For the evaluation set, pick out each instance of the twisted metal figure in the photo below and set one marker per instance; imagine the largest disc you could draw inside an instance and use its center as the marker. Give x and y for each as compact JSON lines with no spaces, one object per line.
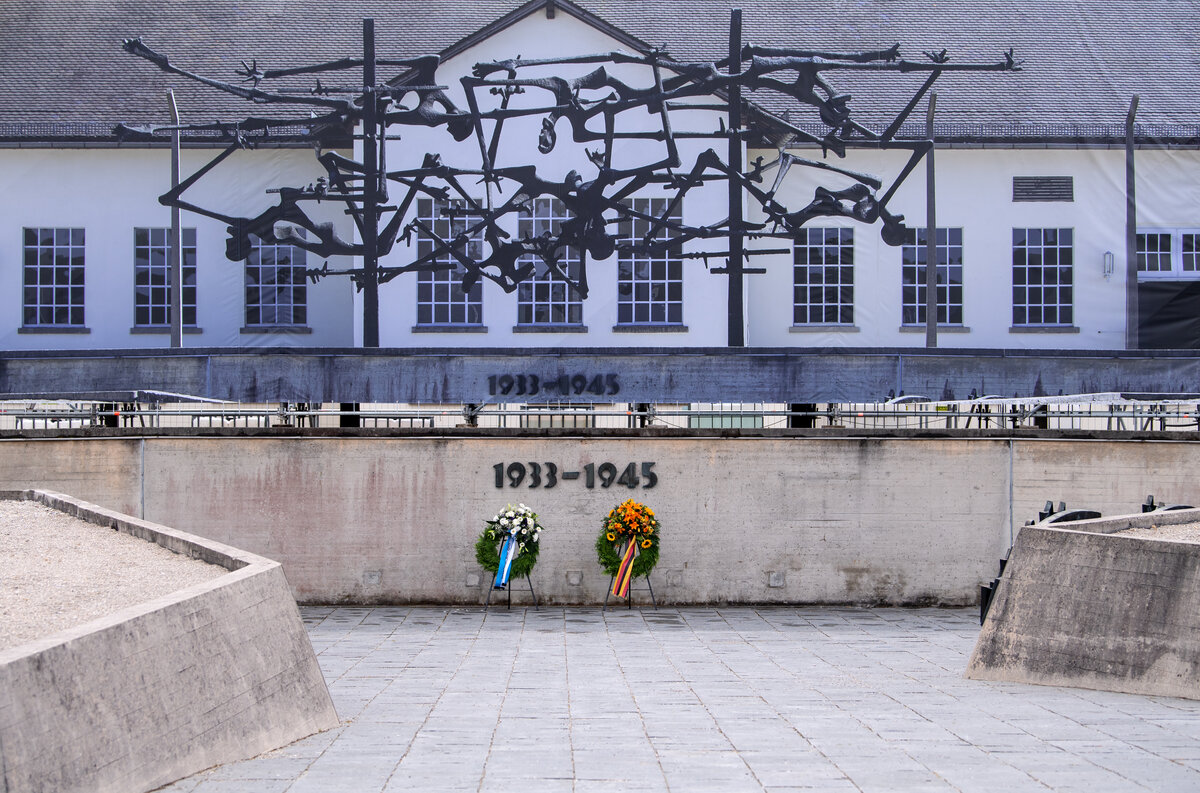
{"x":590,"y":105}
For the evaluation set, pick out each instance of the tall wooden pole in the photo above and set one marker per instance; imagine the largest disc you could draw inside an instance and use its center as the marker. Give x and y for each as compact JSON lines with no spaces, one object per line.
{"x":931,"y":261}
{"x":176,"y":234}
{"x":370,"y":285}
{"x":737,"y":332}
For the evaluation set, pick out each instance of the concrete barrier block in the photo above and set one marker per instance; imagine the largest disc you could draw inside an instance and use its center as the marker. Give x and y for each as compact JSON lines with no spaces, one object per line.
{"x":1095,"y":611}
{"x":217,"y":672}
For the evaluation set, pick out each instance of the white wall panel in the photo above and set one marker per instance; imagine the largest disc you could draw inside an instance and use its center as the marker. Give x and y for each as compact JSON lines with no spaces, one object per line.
{"x":109,"y":192}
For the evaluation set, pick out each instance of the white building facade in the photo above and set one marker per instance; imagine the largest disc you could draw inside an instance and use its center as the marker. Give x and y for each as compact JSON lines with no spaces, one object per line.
{"x":1031,"y":240}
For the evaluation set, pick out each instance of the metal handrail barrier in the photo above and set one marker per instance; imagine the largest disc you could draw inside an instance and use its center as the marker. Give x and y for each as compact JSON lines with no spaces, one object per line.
{"x":1057,"y":413}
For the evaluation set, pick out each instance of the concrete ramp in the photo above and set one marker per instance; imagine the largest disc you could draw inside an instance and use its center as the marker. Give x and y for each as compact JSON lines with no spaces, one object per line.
{"x":216,"y":672}
{"x":1080,"y":607}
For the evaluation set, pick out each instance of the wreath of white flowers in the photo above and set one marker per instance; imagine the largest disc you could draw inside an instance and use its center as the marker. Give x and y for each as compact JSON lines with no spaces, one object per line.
{"x":520,"y":522}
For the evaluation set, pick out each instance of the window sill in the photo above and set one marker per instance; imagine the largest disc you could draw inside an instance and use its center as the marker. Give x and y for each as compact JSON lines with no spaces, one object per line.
{"x":449,"y":329}
{"x":80,"y":329}
{"x":550,"y":329}
{"x":824,"y":328}
{"x":649,"y":328}
{"x":277,"y":329}
{"x":163,"y":330}
{"x":1167,"y":275}
{"x":940,"y":329}
{"x":1043,"y":329}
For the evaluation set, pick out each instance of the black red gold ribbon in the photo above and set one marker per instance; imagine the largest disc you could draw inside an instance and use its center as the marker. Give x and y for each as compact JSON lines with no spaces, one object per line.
{"x":624,"y":575}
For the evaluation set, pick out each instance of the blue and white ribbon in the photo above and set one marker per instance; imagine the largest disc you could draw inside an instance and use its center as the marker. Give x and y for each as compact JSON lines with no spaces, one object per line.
{"x":508,"y":552}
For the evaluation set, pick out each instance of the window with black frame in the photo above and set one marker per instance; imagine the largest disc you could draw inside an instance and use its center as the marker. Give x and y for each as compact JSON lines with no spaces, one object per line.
{"x":152,"y":277}
{"x":547,"y":300}
{"x":53,"y":278}
{"x":276,"y":287}
{"x":1043,"y":292}
{"x":1168,"y":253}
{"x":441,"y":301}
{"x":649,"y":282}
{"x":913,"y":293}
{"x":823,"y":277}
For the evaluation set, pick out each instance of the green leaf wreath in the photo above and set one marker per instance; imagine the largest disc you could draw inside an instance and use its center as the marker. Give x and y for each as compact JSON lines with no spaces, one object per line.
{"x":520,"y":521}
{"x":628,"y":521}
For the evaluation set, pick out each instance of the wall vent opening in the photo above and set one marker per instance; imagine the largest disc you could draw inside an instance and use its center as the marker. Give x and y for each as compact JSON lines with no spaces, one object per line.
{"x":1043,"y":188}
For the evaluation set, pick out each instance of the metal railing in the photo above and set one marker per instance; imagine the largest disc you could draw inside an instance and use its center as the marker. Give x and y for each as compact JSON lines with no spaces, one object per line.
{"x":1081,"y":412}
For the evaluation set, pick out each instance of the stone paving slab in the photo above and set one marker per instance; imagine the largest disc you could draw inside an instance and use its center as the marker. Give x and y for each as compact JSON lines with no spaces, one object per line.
{"x":698,"y":699}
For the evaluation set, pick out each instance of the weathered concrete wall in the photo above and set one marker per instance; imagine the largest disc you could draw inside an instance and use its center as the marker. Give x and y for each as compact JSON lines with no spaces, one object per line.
{"x":108,"y":473}
{"x":769,"y":518}
{"x":1095,"y":611}
{"x":397,"y":519}
{"x":1104,"y":475}
{"x":217,"y":672}
{"x":426,"y":375}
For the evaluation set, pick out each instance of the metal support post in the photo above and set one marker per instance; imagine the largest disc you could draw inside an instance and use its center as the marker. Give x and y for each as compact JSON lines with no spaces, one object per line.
{"x":737,"y":331}
{"x":370,"y":281}
{"x":931,"y":261}
{"x":1131,"y":272}
{"x":176,"y":234}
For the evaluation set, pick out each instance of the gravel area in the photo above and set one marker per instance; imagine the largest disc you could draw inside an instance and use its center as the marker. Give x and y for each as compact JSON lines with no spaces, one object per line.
{"x":57,"y":571}
{"x":1183,"y":532}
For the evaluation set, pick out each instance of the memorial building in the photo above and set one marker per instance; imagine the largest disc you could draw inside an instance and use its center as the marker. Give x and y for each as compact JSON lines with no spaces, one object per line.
{"x":1031,"y":182}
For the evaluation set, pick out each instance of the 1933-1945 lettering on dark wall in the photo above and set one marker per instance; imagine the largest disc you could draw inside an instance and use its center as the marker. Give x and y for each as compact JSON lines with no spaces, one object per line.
{"x":528,"y":384}
{"x":546,"y":475}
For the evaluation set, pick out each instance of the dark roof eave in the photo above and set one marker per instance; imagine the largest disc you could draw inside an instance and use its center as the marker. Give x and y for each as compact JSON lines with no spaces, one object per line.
{"x":758,"y":141}
{"x":1041,"y":141}
{"x":51,"y":134}
{"x":83,"y":141}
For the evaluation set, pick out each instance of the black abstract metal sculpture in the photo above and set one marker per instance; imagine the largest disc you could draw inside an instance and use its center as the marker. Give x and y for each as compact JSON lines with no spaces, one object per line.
{"x":589,"y":106}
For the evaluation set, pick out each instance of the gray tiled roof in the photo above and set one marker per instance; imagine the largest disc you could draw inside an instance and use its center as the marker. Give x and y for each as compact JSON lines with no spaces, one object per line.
{"x":64,"y":73}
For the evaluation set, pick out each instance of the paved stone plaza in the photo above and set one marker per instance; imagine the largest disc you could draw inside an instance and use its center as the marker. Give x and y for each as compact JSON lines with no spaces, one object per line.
{"x":693,"y":699}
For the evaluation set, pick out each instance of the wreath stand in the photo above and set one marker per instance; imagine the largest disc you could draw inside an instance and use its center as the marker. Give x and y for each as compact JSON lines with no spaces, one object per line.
{"x":508,"y":591}
{"x":608,"y":592}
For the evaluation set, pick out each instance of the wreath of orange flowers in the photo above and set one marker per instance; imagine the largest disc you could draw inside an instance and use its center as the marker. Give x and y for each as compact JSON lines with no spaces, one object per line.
{"x":629,"y":522}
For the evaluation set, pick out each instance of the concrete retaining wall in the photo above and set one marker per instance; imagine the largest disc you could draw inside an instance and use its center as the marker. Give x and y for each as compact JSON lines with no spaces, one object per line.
{"x":217,"y":672}
{"x":1085,"y":609}
{"x":825,"y":372}
{"x":767,"y":518}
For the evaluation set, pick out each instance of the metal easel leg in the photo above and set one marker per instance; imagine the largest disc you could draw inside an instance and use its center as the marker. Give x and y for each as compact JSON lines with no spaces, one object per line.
{"x":529,"y":580}
{"x":607,"y":592}
{"x":652,"y":598}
